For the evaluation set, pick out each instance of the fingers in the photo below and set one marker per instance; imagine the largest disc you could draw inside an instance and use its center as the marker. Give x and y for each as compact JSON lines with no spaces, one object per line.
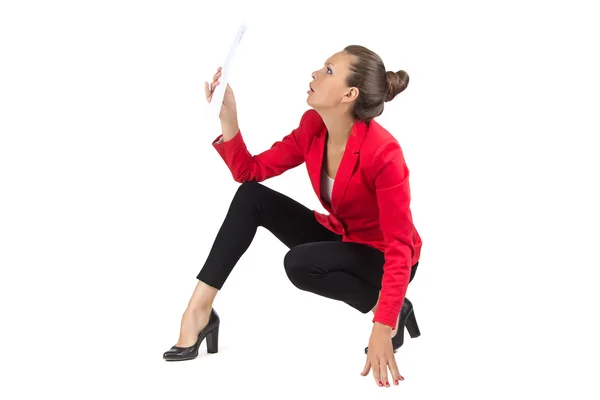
{"x":376,"y":371}
{"x":207,"y":91}
{"x":217,"y":75}
{"x":365,"y":370}
{"x":215,"y":81}
{"x":380,"y":373}
{"x":395,"y":372}
{"x":383,"y":375}
{"x":209,"y":88}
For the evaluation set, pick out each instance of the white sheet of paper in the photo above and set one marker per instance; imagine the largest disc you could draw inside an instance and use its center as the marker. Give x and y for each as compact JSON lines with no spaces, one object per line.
{"x":214,"y":107}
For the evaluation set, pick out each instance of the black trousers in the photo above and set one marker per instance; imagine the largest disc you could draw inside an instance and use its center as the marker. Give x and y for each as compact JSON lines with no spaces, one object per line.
{"x":318,"y":261}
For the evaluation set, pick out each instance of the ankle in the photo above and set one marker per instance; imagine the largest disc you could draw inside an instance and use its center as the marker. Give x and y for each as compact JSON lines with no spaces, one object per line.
{"x":199,"y":309}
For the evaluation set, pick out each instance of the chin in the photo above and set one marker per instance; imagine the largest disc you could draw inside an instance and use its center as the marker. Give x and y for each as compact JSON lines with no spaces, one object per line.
{"x":310,"y":100}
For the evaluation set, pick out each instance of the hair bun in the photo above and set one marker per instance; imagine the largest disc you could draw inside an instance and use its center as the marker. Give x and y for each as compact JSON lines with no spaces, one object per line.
{"x":397,"y":82}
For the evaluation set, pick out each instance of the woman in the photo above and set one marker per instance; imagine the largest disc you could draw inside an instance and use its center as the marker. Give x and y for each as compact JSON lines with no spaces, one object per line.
{"x":366,"y":251}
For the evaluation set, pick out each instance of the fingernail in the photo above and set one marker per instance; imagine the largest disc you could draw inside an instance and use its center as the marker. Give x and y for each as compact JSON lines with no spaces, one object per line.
{"x":387,"y":384}
{"x":380,"y":383}
{"x":396,"y":381}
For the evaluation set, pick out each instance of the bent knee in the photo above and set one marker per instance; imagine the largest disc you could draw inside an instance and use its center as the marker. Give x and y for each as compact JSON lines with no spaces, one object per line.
{"x":298,"y":267}
{"x":293,"y":264}
{"x":291,"y":260}
{"x":249,"y":193}
{"x":248,"y":188}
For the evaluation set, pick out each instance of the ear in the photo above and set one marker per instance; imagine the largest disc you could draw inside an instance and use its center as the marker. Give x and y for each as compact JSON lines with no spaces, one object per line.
{"x":351,"y":95}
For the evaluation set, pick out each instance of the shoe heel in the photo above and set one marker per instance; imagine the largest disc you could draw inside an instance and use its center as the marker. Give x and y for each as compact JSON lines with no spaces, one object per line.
{"x":212,"y":341}
{"x":411,"y":325}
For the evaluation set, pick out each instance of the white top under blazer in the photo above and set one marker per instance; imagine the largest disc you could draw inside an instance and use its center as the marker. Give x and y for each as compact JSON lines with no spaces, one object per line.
{"x":326,"y":186}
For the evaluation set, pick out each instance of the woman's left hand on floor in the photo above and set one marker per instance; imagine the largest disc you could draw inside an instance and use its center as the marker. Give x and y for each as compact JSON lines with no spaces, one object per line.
{"x":380,"y":356}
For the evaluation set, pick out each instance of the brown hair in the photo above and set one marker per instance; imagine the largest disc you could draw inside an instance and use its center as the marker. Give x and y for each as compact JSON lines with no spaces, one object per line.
{"x":375,"y":85}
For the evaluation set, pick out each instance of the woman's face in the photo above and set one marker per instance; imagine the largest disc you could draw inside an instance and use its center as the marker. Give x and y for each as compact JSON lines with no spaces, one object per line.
{"x":328,"y":88}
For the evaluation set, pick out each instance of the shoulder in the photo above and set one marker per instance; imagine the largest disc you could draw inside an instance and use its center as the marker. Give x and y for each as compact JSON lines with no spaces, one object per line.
{"x":382,"y":154}
{"x":379,"y":142}
{"x":311,"y":121}
{"x":311,"y":124}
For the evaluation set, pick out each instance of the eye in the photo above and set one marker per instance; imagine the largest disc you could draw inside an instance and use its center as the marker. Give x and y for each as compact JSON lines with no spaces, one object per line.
{"x":329,"y":71}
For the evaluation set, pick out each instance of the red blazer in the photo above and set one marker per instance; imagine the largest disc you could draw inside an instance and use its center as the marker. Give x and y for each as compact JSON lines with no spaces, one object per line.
{"x":370,"y":201}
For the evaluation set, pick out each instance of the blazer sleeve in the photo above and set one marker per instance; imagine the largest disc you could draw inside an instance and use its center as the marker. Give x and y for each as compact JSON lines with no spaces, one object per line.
{"x":284,"y":154}
{"x":395,"y":221}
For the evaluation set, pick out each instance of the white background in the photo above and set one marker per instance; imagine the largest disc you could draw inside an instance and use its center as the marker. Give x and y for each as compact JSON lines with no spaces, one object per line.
{"x":111,"y":195}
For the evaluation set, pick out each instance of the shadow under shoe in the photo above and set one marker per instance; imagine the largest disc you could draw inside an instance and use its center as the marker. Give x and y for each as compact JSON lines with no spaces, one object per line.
{"x":408,"y":320}
{"x":210,"y":332}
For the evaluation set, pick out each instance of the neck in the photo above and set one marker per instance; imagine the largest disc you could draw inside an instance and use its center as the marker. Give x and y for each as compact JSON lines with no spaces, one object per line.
{"x":338,"y":128}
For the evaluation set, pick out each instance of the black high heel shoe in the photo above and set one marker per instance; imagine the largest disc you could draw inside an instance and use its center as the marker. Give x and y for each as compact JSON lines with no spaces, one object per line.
{"x":210,"y":332}
{"x":407,"y":318}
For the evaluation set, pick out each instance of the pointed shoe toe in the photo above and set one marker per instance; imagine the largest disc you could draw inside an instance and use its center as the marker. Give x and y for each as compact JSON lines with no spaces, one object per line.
{"x":181,"y":353}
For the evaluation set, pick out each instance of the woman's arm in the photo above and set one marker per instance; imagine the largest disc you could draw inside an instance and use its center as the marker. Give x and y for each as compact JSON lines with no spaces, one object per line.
{"x":395,"y":220}
{"x":283,"y":155}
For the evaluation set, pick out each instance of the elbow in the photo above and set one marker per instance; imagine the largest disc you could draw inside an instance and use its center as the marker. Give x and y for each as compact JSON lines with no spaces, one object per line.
{"x":247,"y":174}
{"x":241,"y":177}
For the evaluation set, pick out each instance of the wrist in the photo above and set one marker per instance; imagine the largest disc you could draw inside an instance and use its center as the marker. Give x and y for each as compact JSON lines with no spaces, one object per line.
{"x":229,"y":128}
{"x":378,"y":326}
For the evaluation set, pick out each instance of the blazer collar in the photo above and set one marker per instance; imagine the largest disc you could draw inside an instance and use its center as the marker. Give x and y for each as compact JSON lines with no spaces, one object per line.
{"x":347,"y":165}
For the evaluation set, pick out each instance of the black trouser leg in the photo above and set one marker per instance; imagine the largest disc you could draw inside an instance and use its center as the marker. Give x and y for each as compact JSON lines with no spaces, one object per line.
{"x":256,"y":205}
{"x":348,"y":272}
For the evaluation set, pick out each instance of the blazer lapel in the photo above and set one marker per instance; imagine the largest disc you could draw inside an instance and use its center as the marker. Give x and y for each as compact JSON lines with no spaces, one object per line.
{"x":347,"y":164}
{"x":315,"y":164}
